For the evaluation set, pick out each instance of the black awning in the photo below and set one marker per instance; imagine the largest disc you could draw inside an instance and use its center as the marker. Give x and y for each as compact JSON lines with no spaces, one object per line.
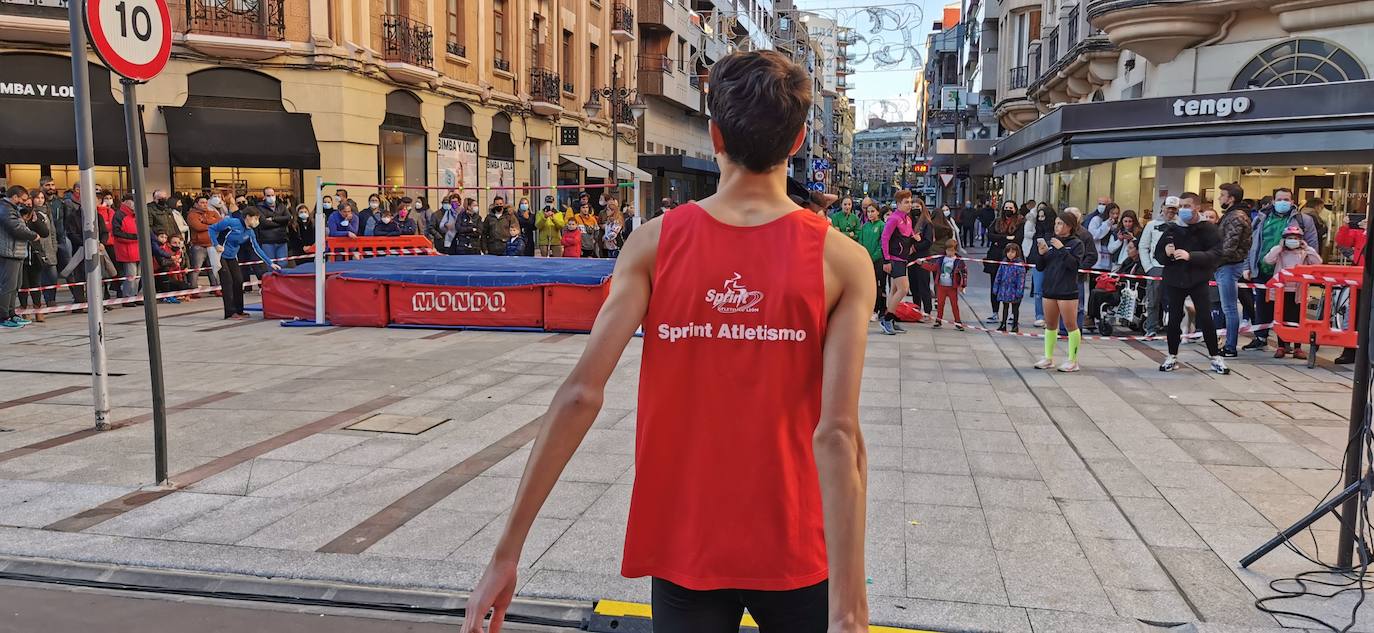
{"x":458,"y":131}
{"x":222,"y":137}
{"x":677,"y":162}
{"x":40,"y":132}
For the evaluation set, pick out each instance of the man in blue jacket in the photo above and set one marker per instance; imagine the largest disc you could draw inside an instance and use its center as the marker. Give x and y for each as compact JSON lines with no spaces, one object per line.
{"x":229,"y":236}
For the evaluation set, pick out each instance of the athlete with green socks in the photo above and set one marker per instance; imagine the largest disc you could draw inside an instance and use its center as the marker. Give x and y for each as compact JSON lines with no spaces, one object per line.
{"x":1059,"y":261}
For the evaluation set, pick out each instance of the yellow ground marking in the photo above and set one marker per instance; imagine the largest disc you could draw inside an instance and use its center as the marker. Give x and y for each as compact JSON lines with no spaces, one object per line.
{"x":618,"y":609}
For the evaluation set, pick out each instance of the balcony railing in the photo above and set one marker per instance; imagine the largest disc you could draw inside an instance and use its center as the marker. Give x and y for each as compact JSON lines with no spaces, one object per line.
{"x":623,"y":114}
{"x":544,"y":85}
{"x":569,"y":87}
{"x":501,"y":64}
{"x":1072,"y":32}
{"x":622,"y":18}
{"x":407,"y":41}
{"x":457,"y":48}
{"x":54,"y":9}
{"x":1019,"y":77}
{"x":656,"y":63}
{"x":258,"y":19}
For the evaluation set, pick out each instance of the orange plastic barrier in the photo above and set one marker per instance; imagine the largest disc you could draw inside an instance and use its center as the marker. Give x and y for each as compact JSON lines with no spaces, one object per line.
{"x":1338,"y":289}
{"x":340,"y":248}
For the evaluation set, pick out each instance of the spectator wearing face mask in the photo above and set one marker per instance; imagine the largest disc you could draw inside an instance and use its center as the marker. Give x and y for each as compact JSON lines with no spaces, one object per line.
{"x":42,"y":254}
{"x":406,"y":214}
{"x":1190,"y":252}
{"x":525,"y":216}
{"x":1270,"y":225}
{"x":469,"y":230}
{"x":15,"y":240}
{"x":387,"y":226}
{"x":201,"y":217}
{"x":1291,"y":252}
{"x":160,"y":213}
{"x":75,"y":268}
{"x":367,"y":218}
{"x":343,"y":222}
{"x":300,"y":233}
{"x":549,"y":226}
{"x":276,"y":221}
{"x":420,"y":214}
{"x":126,"y":246}
{"x":496,"y":227}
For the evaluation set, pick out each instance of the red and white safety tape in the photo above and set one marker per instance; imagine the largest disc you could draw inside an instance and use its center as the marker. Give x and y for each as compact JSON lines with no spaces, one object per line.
{"x":72,"y":307}
{"x":334,"y":254}
{"x":1086,"y":271}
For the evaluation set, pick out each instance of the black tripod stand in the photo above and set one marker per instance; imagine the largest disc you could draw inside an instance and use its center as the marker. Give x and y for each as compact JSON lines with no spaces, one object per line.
{"x":1359,"y":482}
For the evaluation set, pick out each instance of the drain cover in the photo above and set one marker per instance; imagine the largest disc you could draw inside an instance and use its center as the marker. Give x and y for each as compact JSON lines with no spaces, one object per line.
{"x":402,"y":424}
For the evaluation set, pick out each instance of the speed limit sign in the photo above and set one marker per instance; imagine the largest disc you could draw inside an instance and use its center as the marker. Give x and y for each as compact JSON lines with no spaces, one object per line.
{"x":132,"y":37}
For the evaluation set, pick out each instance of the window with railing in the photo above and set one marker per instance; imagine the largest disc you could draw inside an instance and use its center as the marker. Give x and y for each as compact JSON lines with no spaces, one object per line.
{"x":498,"y":39}
{"x":1052,"y":48}
{"x":258,"y":19}
{"x":656,"y":64}
{"x":1033,"y":54}
{"x":1019,"y":77}
{"x":623,"y":114}
{"x":622,"y":18}
{"x":408,"y":41}
{"x":545,"y":85}
{"x":454,"y":21}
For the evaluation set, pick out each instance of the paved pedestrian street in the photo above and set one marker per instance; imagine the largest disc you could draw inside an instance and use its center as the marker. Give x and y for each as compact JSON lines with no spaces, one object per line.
{"x":1001,"y":498}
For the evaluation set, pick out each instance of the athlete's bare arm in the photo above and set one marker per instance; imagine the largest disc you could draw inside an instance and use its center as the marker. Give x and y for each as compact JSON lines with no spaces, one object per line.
{"x":573,"y":410}
{"x":841,"y":459}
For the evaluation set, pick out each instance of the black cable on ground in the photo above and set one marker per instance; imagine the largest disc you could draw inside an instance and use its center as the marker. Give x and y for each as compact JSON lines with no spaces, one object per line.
{"x":1307,"y":585}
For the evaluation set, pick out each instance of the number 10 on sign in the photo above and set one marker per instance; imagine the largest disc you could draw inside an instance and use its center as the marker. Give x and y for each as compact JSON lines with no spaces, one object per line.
{"x":132,"y":37}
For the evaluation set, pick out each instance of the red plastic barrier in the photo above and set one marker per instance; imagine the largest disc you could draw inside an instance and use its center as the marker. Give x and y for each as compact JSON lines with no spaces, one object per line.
{"x":341,"y":248}
{"x":288,"y":297}
{"x":517,"y":306}
{"x":573,"y":308}
{"x":356,"y":302}
{"x":1323,"y":281}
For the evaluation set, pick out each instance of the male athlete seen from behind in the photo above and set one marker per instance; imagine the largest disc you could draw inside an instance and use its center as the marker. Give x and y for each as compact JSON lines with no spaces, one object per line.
{"x":750,"y":486}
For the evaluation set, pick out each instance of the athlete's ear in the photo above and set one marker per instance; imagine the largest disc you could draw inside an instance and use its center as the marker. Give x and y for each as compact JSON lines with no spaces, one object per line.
{"x":797,"y":143}
{"x":717,"y":141}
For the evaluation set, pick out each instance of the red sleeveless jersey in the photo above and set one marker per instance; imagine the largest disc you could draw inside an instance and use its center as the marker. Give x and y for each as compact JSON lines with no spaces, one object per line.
{"x":726,"y":493}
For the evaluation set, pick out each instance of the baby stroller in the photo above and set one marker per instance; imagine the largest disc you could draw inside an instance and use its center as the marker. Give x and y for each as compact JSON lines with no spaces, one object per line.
{"x":1117,"y":303}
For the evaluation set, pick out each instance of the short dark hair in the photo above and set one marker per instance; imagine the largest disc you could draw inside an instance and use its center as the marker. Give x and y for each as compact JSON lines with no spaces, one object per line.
{"x":1070,"y":220}
{"x":1191,"y":196}
{"x":250,"y":212}
{"x":201,"y":196}
{"x":46,"y":180}
{"x":1276,"y":191}
{"x":759,"y":101}
{"x":1234,"y":190}
{"x":15,"y":190}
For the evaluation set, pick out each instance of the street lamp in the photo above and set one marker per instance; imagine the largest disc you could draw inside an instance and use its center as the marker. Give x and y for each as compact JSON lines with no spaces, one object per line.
{"x":618,"y":98}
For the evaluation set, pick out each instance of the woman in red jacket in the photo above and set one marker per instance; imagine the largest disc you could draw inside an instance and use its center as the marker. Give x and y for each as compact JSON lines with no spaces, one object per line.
{"x":124,"y":227}
{"x":1354,"y":238}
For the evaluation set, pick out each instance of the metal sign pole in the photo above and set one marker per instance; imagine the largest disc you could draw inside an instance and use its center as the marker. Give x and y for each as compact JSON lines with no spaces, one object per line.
{"x":321,"y":238}
{"x":90,"y":235}
{"x":145,"y":257}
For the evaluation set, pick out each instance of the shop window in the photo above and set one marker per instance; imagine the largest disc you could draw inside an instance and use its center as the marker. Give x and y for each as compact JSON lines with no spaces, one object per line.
{"x":401,"y":142}
{"x":1299,"y":61}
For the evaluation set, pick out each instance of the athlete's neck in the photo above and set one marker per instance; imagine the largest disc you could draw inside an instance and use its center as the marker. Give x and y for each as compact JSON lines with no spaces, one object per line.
{"x":747,"y":198}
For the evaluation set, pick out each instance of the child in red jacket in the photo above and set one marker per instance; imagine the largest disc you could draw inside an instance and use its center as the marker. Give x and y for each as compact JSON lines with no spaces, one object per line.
{"x":951,"y":276}
{"x":572,"y":239}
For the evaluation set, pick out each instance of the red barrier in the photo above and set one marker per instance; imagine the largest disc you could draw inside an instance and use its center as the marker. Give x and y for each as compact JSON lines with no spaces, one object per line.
{"x":340,"y":248}
{"x":516,"y":306}
{"x":356,"y":302}
{"x":288,"y":297}
{"x":573,"y":308}
{"x":1337,"y":287}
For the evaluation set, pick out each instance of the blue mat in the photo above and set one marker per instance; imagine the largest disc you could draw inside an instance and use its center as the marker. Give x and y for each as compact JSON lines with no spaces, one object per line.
{"x":470,"y":270}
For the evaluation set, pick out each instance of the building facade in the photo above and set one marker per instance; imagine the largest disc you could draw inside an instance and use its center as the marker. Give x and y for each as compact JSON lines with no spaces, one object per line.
{"x":836,"y":124}
{"x":886,"y":156}
{"x":957,"y":106}
{"x":404,"y":93}
{"x":678,"y":43}
{"x":1142,"y":100}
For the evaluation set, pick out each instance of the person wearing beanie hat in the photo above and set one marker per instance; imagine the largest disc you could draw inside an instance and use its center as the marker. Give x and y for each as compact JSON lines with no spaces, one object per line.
{"x":1291,"y":251}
